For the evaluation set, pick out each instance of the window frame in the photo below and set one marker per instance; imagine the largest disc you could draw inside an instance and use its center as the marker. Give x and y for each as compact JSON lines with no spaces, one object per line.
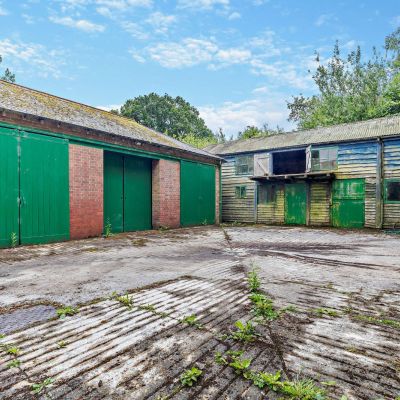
{"x":328,"y":148}
{"x":271,"y":194}
{"x":249,"y":164}
{"x":240,"y":192}
{"x":389,"y":180}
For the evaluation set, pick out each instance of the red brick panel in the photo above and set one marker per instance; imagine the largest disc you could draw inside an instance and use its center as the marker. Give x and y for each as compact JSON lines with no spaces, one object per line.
{"x":85,"y":191}
{"x":166,"y":194}
{"x":217,"y":195}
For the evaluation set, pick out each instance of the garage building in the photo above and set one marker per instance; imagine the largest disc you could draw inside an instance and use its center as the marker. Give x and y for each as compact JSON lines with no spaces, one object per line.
{"x":67,"y":170}
{"x":344,"y":176}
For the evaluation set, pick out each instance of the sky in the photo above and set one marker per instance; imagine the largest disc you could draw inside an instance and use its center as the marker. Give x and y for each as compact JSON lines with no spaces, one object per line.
{"x":237,"y":61}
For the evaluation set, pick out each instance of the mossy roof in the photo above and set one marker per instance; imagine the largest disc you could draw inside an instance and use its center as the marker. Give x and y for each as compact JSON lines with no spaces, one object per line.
{"x":363,"y":130}
{"x":29,"y":101}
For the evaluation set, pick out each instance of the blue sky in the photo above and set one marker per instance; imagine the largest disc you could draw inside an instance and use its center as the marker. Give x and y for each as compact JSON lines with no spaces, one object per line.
{"x":237,"y":61}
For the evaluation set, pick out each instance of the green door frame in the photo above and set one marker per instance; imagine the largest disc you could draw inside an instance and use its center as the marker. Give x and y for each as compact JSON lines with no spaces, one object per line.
{"x":296,"y":195}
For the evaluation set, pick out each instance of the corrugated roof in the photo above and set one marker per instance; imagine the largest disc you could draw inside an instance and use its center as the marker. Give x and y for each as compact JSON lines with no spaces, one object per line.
{"x":363,"y":130}
{"x":29,"y":101}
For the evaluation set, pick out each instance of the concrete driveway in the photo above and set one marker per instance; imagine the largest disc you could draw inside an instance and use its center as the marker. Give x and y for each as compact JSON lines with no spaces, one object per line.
{"x":332,"y":326}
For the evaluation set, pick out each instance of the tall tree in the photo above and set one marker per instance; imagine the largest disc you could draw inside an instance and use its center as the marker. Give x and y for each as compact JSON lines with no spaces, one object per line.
{"x":351,"y":89}
{"x":254,"y":131}
{"x":8,"y":75}
{"x":172,"y":116}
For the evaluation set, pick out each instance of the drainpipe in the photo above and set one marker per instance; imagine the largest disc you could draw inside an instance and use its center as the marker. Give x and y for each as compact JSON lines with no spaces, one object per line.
{"x":379,"y":185}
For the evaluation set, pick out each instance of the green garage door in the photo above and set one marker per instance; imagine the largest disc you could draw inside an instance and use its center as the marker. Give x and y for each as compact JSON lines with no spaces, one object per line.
{"x":34,"y":188}
{"x":127,"y":192}
{"x":348,"y":203}
{"x":9,"y":187}
{"x":197,"y":193}
{"x":295,"y":203}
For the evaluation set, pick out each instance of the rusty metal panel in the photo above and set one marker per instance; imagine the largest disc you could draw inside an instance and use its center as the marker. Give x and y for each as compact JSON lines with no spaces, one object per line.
{"x":320,"y":203}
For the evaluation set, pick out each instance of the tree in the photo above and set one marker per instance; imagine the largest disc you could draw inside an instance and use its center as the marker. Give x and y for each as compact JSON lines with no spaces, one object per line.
{"x":172,"y":116}
{"x":8,"y":75}
{"x":254,"y":131}
{"x":351,"y":89}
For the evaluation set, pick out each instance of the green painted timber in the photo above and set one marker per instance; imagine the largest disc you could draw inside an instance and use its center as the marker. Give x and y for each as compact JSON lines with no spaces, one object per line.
{"x":295,"y":203}
{"x":348,"y":203}
{"x":9,"y":187}
{"x":197,"y":193}
{"x":137,"y":194}
{"x":127,"y":192}
{"x":114,"y":191}
{"x":44,"y":189}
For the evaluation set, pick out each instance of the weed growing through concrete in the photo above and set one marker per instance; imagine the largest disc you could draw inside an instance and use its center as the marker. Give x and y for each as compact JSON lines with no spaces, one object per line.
{"x":192,"y":321}
{"x":12,"y":350}
{"x":38,"y":388}
{"x":125,"y":300}
{"x":263,"y":307}
{"x":320,"y":312}
{"x":14,"y":239}
{"x":190,"y":376}
{"x":377,"y":321}
{"x":148,"y":307}
{"x":62,"y":344}
{"x":2,"y":335}
{"x":108,"y":229}
{"x":245,"y":332}
{"x":66,"y":311}
{"x":253,"y":281}
{"x":14,"y":363}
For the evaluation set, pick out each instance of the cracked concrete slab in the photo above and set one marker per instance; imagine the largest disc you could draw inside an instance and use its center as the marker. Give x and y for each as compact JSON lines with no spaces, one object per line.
{"x":343,"y":326}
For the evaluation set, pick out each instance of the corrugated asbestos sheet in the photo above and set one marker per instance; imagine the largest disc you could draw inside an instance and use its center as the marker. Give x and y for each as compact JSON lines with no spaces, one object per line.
{"x":234,"y":209}
{"x":28,"y":101}
{"x":364,"y":130}
{"x":392,"y":171}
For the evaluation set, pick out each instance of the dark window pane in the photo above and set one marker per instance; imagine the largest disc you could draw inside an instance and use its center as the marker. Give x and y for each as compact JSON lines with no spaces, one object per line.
{"x":266,"y":194}
{"x":244,"y":165}
{"x":393,"y":190}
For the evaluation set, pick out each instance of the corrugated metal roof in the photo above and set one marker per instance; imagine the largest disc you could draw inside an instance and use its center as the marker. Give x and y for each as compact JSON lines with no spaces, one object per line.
{"x":363,"y":130}
{"x":29,"y":101}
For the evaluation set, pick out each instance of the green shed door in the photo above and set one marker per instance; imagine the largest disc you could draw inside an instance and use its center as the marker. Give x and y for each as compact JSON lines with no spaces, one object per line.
{"x":295,"y":203}
{"x":137,"y":194}
{"x":9,"y":187}
{"x":197,"y":193}
{"x":348,"y":203}
{"x":114,"y":191}
{"x":44,"y":189}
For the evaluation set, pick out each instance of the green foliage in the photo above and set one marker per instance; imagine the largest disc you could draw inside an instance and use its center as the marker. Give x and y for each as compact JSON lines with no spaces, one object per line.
{"x":351,"y":89}
{"x":263,"y":307}
{"x":125,"y":300}
{"x":265,"y":379}
{"x":240,"y":365}
{"x":8,"y":75}
{"x":14,"y":364}
{"x":61,"y":344}
{"x":192,"y":321}
{"x":252,"y":131}
{"x":253,"y":281}
{"x":320,"y":312}
{"x":198,"y":141}
{"x":190,"y":376}
{"x":37,"y":388}
{"x":2,"y":335}
{"x":378,"y":321}
{"x":13,"y":350}
{"x":108,"y":229}
{"x":304,"y":389}
{"x":244,"y":333}
{"x":172,"y":116}
{"x":66,"y":311}
{"x":14,"y":239}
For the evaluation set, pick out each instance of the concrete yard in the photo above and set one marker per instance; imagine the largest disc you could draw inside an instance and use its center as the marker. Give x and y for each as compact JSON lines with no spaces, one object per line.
{"x":342,"y":331}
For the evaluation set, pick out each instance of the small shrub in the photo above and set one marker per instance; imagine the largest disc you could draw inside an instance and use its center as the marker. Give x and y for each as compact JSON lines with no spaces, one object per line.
{"x":14,"y":239}
{"x":244,"y":333}
{"x":263,"y":307}
{"x":108,"y":229}
{"x":253,"y":281}
{"x":265,"y":379}
{"x":39,"y":387}
{"x":240,"y":365}
{"x":66,"y":311}
{"x":190,"y":376}
{"x":304,"y":389}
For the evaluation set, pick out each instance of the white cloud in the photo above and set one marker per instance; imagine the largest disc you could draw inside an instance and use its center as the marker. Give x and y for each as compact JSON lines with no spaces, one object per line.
{"x":202,"y":4}
{"x":134,"y":29}
{"x":29,"y":19}
{"x":234,"y":15}
{"x":110,"y":107}
{"x":31,"y":57}
{"x":161,"y":22}
{"x":234,"y":117}
{"x":3,"y":11}
{"x":233,"y":56}
{"x":81,"y":24}
{"x":261,"y":89}
{"x":136,"y":56}
{"x":124,"y":4}
{"x":324,"y":19}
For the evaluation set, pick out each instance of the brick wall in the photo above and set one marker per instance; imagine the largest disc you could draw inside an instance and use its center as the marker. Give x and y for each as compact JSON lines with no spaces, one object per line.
{"x":217,"y":195}
{"x":166,"y":194}
{"x":86,"y":191}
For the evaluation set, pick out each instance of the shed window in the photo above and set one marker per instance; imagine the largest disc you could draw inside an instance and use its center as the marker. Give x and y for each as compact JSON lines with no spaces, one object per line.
{"x":266,"y":194}
{"x":324,"y":159}
{"x":240,"y":192}
{"x":393,"y":190}
{"x":244,"y":165}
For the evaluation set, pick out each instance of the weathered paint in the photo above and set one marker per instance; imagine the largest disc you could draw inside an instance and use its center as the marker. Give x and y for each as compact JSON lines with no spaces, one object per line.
{"x":197,"y":194}
{"x":391,"y":164}
{"x":9,"y":187}
{"x":348,"y":203}
{"x":273,"y":212}
{"x":296,"y":203}
{"x":320,"y":198}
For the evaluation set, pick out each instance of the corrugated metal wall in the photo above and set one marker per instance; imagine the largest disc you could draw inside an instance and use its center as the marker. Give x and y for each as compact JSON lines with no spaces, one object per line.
{"x":233,"y":209}
{"x":391,"y":214}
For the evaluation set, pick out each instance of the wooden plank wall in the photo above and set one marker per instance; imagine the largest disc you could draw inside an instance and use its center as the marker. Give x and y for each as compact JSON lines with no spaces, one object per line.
{"x":273,"y":213}
{"x":391,"y":213}
{"x":320,"y":199}
{"x":358,"y":160}
{"x":233,"y":209}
